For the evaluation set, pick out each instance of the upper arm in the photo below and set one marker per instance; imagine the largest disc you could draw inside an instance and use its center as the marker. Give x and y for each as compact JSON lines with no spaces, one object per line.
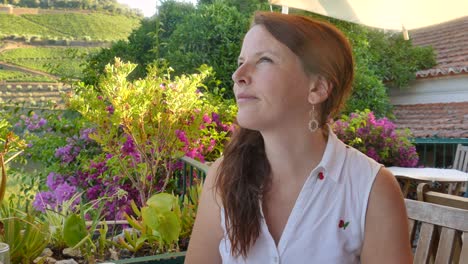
{"x":207,"y":232}
{"x":386,"y":236}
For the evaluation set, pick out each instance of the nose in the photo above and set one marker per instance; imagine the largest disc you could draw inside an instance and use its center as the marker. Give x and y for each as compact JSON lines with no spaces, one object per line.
{"x":242,"y":76}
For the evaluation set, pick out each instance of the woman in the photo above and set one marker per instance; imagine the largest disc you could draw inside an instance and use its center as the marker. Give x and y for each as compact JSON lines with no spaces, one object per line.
{"x":287,"y":190}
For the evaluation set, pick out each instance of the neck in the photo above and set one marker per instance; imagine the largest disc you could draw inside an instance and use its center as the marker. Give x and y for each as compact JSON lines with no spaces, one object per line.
{"x":293,"y":153}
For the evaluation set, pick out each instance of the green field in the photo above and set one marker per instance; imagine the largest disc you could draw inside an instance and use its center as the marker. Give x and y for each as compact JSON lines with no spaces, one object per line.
{"x":61,"y":61}
{"x":94,"y":26}
{"x":15,"y":76}
{"x":44,"y":53}
{"x":18,"y":25}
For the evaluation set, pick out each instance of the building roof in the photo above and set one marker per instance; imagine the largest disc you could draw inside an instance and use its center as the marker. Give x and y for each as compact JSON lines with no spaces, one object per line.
{"x":450,"y":43}
{"x":442,"y":120}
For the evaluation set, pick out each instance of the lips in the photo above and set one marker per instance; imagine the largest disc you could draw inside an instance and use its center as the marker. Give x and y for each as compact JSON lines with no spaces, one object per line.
{"x":243,"y":97}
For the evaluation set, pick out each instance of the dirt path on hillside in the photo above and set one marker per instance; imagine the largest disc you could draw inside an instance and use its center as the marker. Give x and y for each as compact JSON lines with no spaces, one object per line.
{"x":12,"y":44}
{"x":8,"y":45}
{"x":12,"y":67}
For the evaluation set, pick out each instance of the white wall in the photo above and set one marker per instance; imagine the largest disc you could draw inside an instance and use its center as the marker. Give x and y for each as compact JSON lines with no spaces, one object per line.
{"x":443,"y":89}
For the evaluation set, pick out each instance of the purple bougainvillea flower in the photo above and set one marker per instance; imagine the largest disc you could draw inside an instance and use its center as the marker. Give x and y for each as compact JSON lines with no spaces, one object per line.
{"x":64,"y":192}
{"x":53,"y":180}
{"x":44,"y":200}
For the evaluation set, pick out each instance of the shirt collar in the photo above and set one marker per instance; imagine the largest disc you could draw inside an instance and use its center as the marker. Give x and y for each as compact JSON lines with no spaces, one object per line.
{"x":333,"y":158}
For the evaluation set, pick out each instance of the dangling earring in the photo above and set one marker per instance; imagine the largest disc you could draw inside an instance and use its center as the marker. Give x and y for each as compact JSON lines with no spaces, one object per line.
{"x":313,"y":123}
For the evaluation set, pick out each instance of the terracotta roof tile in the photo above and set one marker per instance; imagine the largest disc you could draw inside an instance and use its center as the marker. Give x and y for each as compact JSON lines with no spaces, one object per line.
{"x":444,"y":120}
{"x":450,"y":43}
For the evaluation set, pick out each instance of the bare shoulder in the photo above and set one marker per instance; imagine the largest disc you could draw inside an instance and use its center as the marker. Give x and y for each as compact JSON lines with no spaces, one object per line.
{"x":386,"y":188}
{"x":207,"y":232}
{"x":386,"y":238}
{"x":213,"y":172}
{"x":210,"y":181}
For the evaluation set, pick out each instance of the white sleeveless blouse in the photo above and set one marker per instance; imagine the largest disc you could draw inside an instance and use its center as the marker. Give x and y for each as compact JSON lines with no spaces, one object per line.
{"x":327,"y":222}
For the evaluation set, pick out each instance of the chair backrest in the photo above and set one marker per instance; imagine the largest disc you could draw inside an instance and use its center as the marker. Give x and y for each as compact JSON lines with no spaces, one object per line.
{"x":452,"y":224}
{"x":425,"y":194}
{"x":460,"y":161}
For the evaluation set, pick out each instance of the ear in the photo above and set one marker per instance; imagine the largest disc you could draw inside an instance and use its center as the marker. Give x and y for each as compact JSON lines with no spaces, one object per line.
{"x":319,"y":90}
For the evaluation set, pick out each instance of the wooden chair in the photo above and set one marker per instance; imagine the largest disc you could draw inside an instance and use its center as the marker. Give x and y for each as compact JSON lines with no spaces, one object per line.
{"x":453,"y":224}
{"x":426,"y":194}
{"x":460,"y":162}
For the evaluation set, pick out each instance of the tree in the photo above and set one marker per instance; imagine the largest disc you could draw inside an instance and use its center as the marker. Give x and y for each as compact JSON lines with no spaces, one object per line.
{"x":186,"y":37}
{"x":145,"y":44}
{"x":211,"y":35}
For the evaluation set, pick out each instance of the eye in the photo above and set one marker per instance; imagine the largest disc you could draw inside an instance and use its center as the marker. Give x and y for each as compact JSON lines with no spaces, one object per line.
{"x":265,"y":59}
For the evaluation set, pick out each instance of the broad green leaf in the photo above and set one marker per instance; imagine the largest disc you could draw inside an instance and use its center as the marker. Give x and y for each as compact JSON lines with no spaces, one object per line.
{"x":74,"y":230}
{"x":162,"y":202}
{"x":150,"y":217}
{"x":169,"y":227}
{"x":166,"y":224}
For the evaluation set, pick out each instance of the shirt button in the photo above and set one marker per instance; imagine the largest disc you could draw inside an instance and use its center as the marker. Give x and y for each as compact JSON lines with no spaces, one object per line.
{"x":275,"y":260}
{"x":321,"y":176}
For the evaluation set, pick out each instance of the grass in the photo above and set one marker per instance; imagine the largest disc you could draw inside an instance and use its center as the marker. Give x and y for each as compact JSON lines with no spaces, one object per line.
{"x":95,"y":26}
{"x":16,"y":76}
{"x":61,"y":61}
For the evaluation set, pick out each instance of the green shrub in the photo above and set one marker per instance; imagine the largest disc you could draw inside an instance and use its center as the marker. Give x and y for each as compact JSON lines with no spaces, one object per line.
{"x":377,"y":138}
{"x":368,"y":93}
{"x":211,"y":35}
{"x":160,"y":118}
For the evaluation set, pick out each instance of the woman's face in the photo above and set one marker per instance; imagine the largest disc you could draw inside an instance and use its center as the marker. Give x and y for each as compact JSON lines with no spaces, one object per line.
{"x":270,"y":84}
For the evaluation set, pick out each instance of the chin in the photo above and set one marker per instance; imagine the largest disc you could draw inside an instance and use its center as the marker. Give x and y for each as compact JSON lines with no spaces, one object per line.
{"x":252,"y":121}
{"x":248,"y":121}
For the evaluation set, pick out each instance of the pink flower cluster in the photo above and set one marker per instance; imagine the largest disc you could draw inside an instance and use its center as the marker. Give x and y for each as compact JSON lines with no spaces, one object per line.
{"x":377,"y":138}
{"x":196,"y":149}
